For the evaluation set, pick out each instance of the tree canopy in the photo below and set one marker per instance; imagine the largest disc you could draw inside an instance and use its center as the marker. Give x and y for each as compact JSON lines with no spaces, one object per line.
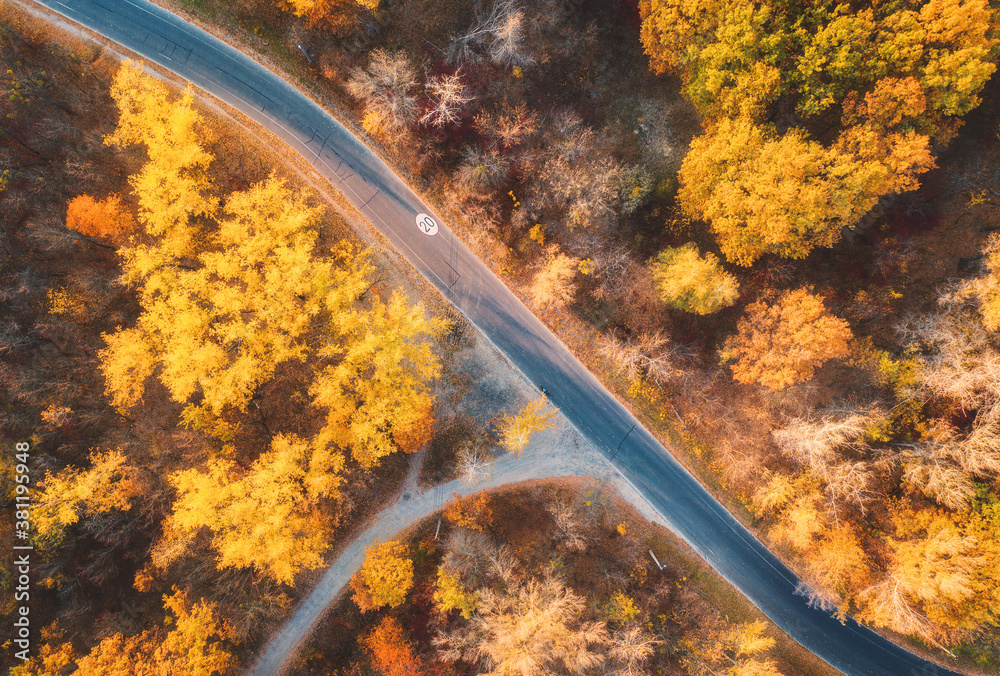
{"x":267,"y":517}
{"x":385,"y":577}
{"x":223,"y":310}
{"x":863,"y":94}
{"x":782,"y":344}
{"x":688,"y":281}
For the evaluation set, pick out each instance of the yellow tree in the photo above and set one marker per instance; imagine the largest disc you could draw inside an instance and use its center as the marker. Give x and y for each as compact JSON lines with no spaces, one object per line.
{"x":516,"y":432}
{"x":837,"y":563}
{"x":269,"y":517}
{"x":337,"y":16}
{"x":739,"y":649}
{"x":173,"y":186}
{"x":762,"y":194}
{"x":193,"y":647}
{"x":109,"y":484}
{"x":935,"y":564}
{"x":693,"y":283}
{"x":263,"y":287}
{"x":217,"y":330}
{"x":53,"y":657}
{"x":986,"y":289}
{"x":803,"y":521}
{"x":385,"y":577}
{"x":553,"y":285}
{"x":450,"y":594}
{"x":984,"y":605}
{"x":374,"y":391}
{"x":782,"y":344}
{"x":961,"y":39}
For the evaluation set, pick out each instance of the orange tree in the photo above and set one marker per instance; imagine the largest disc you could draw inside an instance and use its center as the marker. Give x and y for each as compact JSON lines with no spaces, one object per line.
{"x":782,"y":344}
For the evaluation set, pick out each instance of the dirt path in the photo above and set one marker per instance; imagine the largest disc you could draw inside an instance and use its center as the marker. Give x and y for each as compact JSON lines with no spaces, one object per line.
{"x":559,"y":452}
{"x":556,"y":453}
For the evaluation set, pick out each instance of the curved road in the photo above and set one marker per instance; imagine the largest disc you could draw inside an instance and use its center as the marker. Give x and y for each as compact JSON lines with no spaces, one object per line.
{"x":391,"y":206}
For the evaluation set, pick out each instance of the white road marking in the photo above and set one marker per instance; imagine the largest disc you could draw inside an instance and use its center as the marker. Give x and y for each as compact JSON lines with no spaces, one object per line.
{"x":427,"y":224}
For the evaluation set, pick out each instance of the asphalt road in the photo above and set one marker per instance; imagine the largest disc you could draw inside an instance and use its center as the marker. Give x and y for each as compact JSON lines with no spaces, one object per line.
{"x":392,"y":207}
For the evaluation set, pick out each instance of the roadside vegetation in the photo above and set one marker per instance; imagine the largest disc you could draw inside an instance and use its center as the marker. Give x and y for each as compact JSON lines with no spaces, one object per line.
{"x":574,"y":591}
{"x":218,"y":382}
{"x":216,"y":379}
{"x":767,"y":228}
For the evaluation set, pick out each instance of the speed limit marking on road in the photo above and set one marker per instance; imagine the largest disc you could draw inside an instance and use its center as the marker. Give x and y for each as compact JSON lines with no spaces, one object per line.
{"x":427,"y":224}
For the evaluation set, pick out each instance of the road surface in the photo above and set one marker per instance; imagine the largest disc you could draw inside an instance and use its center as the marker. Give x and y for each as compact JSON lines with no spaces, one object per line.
{"x":687,"y":508}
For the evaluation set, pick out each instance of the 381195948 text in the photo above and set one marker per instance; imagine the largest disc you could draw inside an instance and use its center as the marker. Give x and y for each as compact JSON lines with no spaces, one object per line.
{"x":22,"y":553}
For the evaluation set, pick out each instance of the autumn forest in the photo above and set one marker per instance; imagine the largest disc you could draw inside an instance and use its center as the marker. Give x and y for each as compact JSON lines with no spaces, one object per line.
{"x":769,"y":228}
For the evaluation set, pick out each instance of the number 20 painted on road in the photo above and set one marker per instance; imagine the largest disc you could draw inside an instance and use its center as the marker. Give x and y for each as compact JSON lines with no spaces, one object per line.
{"x":427,"y":225}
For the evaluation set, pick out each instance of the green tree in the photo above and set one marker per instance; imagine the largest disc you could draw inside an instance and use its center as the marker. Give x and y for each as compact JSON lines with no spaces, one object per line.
{"x":693,"y":283}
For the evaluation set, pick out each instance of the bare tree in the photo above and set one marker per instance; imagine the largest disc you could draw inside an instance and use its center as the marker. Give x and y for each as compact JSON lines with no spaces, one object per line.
{"x":961,"y":360}
{"x":649,"y":354}
{"x":386,"y":86}
{"x":483,"y":169}
{"x":816,"y":443}
{"x":578,"y":178}
{"x":613,"y":269}
{"x":500,"y":34}
{"x":527,"y":629}
{"x":509,"y":125}
{"x":630,"y":649}
{"x":448,"y":95}
{"x":849,"y":482}
{"x":508,"y":46}
{"x":940,"y":480}
{"x":570,"y":524}
{"x":943,"y":465}
{"x":475,"y":559}
{"x":475,"y":464}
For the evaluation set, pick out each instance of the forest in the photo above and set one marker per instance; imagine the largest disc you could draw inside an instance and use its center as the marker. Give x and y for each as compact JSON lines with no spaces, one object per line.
{"x":769,"y":228}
